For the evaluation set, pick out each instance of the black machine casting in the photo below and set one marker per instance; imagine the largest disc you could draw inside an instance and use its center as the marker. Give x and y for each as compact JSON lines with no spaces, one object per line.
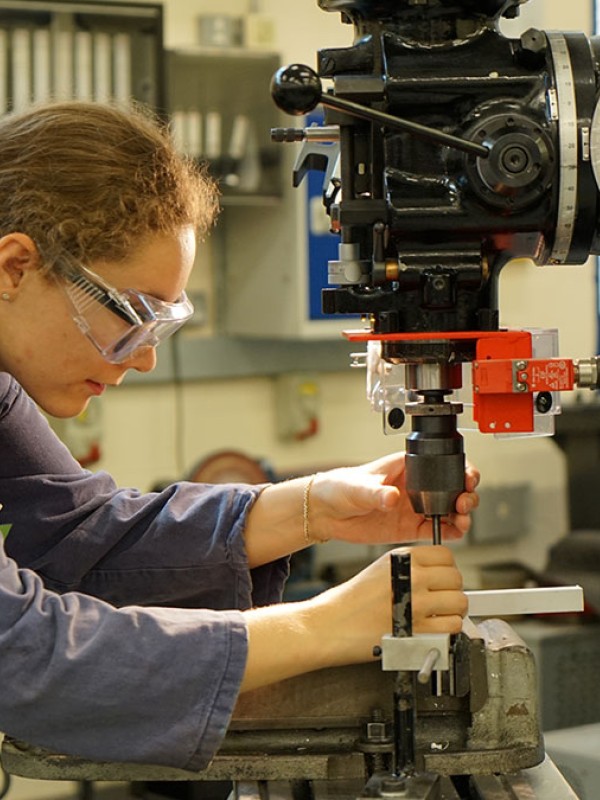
{"x":448,"y":149}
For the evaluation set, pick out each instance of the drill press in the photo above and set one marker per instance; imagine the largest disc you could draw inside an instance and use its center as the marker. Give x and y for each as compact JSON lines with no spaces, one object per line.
{"x":448,"y":150}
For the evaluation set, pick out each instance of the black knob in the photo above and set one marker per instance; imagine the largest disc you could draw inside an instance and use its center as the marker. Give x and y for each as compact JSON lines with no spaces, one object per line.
{"x":296,"y":89}
{"x":532,"y":48}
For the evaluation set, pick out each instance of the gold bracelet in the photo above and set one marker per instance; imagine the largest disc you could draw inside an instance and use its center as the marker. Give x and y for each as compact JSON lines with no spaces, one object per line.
{"x":305,"y":509}
{"x":305,"y":505}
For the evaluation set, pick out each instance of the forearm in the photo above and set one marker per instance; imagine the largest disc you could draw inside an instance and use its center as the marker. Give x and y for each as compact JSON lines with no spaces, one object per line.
{"x":283,"y":641}
{"x":275,"y":526}
{"x":339,"y":626}
{"x":291,"y":639}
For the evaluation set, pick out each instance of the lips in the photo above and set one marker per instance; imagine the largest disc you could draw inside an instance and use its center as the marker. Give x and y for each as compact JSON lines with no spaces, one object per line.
{"x":95,"y":387}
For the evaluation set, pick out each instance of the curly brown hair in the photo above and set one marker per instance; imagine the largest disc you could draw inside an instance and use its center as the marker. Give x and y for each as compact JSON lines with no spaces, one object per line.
{"x":90,"y":181}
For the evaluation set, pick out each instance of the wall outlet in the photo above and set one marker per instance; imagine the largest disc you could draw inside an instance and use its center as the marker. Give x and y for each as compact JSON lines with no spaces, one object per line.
{"x":503,"y":514}
{"x":296,"y":406}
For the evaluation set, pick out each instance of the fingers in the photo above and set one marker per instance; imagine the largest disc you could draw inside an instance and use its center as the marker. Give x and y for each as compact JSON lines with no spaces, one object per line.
{"x":437,"y":579}
{"x":430,"y":556}
{"x":438,"y":602}
{"x":392,"y":466}
{"x":438,"y":611}
{"x":472,"y":478}
{"x":469,"y":499}
{"x":445,"y":624}
{"x":466,"y":502}
{"x":355,"y":490}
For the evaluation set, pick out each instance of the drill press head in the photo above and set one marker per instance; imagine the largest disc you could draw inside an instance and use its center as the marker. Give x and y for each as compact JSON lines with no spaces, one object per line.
{"x":459,"y":150}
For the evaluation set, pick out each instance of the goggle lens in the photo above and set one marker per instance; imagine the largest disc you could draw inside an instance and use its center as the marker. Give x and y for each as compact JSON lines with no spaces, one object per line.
{"x":119,"y":323}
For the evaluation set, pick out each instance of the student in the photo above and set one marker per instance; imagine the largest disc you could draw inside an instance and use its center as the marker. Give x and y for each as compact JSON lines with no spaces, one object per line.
{"x":129,"y":622}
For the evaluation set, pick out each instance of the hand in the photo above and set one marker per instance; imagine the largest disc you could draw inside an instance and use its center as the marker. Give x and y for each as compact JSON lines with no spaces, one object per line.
{"x":345,"y":623}
{"x":361,"y":608}
{"x":369,"y":504}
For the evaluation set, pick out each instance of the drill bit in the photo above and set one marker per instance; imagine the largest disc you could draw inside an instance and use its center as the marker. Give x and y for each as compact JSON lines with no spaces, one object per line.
{"x":436,"y":522}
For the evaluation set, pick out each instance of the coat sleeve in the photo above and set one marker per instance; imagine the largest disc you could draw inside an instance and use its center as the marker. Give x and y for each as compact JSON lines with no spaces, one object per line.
{"x":182,"y":546}
{"x":146,"y":685}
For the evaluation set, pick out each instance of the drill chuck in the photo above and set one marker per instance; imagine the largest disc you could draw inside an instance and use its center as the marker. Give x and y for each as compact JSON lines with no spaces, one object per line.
{"x":435,"y":458}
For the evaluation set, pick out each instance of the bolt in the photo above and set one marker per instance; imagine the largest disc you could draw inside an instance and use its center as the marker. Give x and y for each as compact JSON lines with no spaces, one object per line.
{"x":396,"y":418}
{"x":377,"y":732}
{"x":543,"y":402}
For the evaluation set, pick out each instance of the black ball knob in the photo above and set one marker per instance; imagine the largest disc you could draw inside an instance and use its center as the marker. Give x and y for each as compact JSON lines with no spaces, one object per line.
{"x":296,"y":89}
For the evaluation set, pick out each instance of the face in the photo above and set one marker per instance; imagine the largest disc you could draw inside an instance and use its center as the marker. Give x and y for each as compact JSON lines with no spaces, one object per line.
{"x":41,"y":345}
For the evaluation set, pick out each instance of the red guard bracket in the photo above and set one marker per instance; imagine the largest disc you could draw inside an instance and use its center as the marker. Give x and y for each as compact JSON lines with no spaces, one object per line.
{"x":505,"y":376}
{"x":496,"y":408}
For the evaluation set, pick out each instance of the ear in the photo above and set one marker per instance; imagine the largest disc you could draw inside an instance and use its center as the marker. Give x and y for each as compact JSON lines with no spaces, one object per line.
{"x":18,"y":256}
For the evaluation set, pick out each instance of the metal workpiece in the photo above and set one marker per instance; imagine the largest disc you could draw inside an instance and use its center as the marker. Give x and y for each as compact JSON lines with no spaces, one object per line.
{"x":510,"y":602}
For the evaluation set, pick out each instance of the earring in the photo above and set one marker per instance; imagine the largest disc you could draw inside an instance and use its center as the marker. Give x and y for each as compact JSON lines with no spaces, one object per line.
{"x":5,"y":296}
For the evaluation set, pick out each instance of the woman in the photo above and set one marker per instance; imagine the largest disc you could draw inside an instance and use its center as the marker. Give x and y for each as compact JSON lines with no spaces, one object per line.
{"x":99,"y":217}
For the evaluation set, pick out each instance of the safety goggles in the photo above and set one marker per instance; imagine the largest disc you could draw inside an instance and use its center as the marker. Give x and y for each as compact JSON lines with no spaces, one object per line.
{"x":120,"y":321}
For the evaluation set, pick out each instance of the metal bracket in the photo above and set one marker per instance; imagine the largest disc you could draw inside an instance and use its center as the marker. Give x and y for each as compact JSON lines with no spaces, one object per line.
{"x":411,"y":653}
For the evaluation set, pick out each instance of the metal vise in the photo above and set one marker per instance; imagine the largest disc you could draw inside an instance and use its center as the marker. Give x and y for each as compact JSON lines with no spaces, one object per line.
{"x":329,"y":731}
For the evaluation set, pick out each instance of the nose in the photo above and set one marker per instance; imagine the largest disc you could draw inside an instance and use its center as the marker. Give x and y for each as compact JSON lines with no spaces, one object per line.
{"x":142,"y":360}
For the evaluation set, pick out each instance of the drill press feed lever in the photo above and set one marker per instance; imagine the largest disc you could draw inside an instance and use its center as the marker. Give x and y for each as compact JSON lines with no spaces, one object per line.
{"x":448,"y":150}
